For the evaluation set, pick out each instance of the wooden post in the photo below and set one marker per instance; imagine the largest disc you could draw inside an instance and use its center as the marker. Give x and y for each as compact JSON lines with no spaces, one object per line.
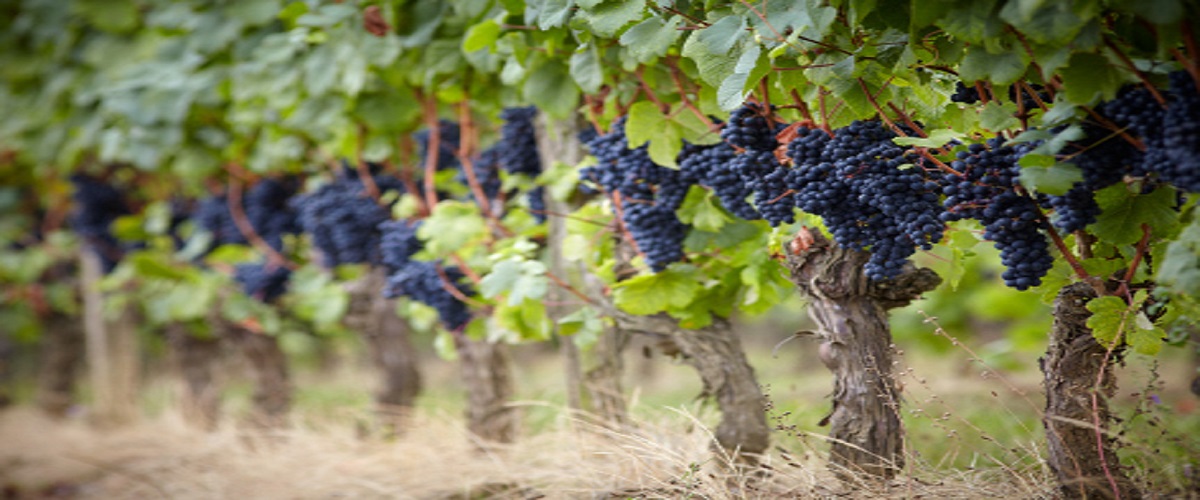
{"x":112,"y":351}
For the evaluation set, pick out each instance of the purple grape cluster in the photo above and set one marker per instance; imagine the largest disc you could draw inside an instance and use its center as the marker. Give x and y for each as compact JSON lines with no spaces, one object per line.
{"x":343,"y":219}
{"x":420,"y":281}
{"x":649,"y":195}
{"x":97,"y":205}
{"x":262,"y":281}
{"x":988,"y":191}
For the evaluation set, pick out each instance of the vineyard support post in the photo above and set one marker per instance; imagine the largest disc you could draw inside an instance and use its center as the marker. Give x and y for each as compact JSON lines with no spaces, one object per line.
{"x":1083,"y":458}
{"x":558,"y":142}
{"x":112,"y":350}
{"x":851,"y":315}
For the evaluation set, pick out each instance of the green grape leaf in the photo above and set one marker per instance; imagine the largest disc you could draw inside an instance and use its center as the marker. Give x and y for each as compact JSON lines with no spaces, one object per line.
{"x":996,"y":117}
{"x":1179,"y":270}
{"x":1110,"y":318}
{"x":750,"y":68}
{"x":584,"y":322}
{"x":586,"y":70}
{"x":481,"y":36}
{"x":673,"y":287}
{"x":1088,"y":77}
{"x":699,"y":210}
{"x":644,"y":122}
{"x":526,"y":319}
{"x":714,"y":67}
{"x":551,"y":86}
{"x":936,"y":139}
{"x":451,"y":226}
{"x":1122,"y":213}
{"x":608,"y":18}
{"x":520,"y":279}
{"x":651,"y":38}
{"x":722,"y":36}
{"x":1002,"y":68}
{"x":1055,"y":179}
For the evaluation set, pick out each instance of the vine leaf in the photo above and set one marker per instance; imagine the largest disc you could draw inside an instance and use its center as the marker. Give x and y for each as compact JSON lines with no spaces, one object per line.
{"x":651,"y":38}
{"x":1088,"y":76}
{"x":585,"y":69}
{"x":520,"y":279}
{"x":1179,"y":271}
{"x":1112,"y":319}
{"x":450,"y":227}
{"x":481,"y":36}
{"x":527,"y":320}
{"x":699,"y":210}
{"x":674,"y":287}
{"x":1122,"y":213}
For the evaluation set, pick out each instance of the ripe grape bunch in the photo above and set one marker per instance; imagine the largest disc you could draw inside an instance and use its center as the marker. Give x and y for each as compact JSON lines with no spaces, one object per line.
{"x":867,"y":193}
{"x":97,"y":206}
{"x":750,"y":129}
{"x":648,"y":195}
{"x":421,"y":281}
{"x":448,"y":138}
{"x":262,"y":281}
{"x":518,"y":151}
{"x":988,"y":191}
{"x":344,"y":220}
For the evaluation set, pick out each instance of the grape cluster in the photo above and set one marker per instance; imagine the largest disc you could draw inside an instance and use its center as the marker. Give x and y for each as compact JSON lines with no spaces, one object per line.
{"x":264,"y":282}
{"x":649,"y":195}
{"x":448,"y":138}
{"x":987,"y":191}
{"x":855,"y":181}
{"x":97,"y":205}
{"x":519,"y":153}
{"x":970,"y":95}
{"x":487,"y":172}
{"x":1181,"y":135}
{"x":344,"y":220}
{"x":760,"y":170}
{"x":420,"y":281}
{"x":268,"y":206}
{"x":964,"y":94}
{"x":213,"y":215}
{"x":711,"y":167}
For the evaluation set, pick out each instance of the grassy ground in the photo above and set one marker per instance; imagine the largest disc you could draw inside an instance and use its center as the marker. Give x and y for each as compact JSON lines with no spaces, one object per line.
{"x":973,"y":433}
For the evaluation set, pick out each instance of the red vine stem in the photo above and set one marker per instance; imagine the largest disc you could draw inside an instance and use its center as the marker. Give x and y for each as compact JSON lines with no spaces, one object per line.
{"x":1036,"y":98}
{"x":1071,"y":259}
{"x":662,"y":106}
{"x":801,"y":105}
{"x":683,"y":97}
{"x":234,"y":200}
{"x":1133,"y":69}
{"x":465,"y":146}
{"x":364,"y":174}
{"x":615,"y":198}
{"x":429,"y":114}
{"x":453,"y":290}
{"x":1142,"y":246}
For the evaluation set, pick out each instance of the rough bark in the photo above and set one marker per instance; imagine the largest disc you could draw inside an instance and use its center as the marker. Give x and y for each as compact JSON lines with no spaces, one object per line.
{"x":602,"y":380}
{"x":389,"y":341}
{"x":716,"y":354}
{"x":196,"y":359}
{"x":112,"y":351}
{"x":1086,"y":467}
{"x":272,"y":383}
{"x":856,"y":345}
{"x":487,"y":374}
{"x":62,"y":346}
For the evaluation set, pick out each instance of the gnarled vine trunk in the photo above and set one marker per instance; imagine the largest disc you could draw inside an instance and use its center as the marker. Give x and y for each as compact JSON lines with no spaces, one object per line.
{"x":1083,"y":459}
{"x":716,"y":354}
{"x":487,"y":374}
{"x":856,"y":345}
{"x":196,"y":358}
{"x":389,"y":341}
{"x":602,"y":379}
{"x":268,"y":366}
{"x":62,"y":347}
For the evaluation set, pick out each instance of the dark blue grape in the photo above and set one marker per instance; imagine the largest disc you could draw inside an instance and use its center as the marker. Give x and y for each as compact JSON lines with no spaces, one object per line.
{"x":262,"y":281}
{"x":97,"y":206}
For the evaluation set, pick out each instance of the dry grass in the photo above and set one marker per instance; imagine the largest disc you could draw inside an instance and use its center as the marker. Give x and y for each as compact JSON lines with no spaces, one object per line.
{"x":162,"y":458}
{"x":971,"y":435}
